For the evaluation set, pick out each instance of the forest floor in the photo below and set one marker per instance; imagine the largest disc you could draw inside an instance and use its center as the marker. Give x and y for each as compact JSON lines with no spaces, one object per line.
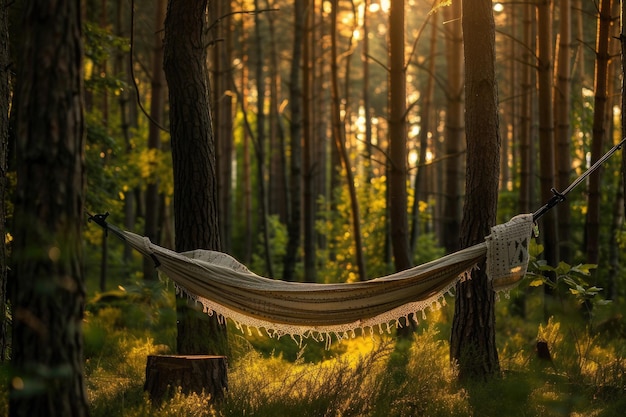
{"x":363,"y":376}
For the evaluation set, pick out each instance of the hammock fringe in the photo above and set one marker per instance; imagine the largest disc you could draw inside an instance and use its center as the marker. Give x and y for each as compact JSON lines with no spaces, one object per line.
{"x":325,"y":312}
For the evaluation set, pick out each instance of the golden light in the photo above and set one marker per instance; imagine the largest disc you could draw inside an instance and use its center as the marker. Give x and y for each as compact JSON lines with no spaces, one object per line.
{"x":498,"y":7}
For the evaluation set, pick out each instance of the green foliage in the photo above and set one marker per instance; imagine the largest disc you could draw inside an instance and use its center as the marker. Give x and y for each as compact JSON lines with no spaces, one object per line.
{"x":573,"y":280}
{"x":277,"y":240}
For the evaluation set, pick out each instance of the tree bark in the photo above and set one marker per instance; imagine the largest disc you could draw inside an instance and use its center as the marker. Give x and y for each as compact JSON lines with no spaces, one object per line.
{"x":4,"y":140}
{"x":592,"y":220}
{"x":472,"y":342}
{"x":546,"y":127}
{"x":157,"y":98}
{"x":454,"y":129}
{"x":193,"y":158}
{"x":48,"y":291}
{"x":397,"y":180}
{"x":295,"y":166}
{"x":308,"y":148}
{"x":563,"y":109}
{"x":339,"y":137}
{"x":419,"y":186}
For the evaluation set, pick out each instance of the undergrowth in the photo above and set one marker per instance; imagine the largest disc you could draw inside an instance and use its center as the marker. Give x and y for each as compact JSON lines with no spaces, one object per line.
{"x":364,"y":376}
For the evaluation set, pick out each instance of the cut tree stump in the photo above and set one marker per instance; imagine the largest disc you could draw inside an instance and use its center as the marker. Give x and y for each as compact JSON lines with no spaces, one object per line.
{"x":192,"y":373}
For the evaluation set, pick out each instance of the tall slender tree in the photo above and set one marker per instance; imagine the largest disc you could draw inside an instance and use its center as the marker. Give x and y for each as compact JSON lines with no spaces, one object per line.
{"x":563,"y":108}
{"x":193,"y":156}
{"x":545,"y":78}
{"x":48,"y":291}
{"x":592,"y":220}
{"x":339,"y":138}
{"x":295,"y":132}
{"x":157,"y":105}
{"x":397,"y":171}
{"x":472,"y":342}
{"x":454,"y":128}
{"x":4,"y":138}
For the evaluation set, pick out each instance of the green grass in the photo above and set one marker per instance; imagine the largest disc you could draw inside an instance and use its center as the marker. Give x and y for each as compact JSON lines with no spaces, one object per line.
{"x":365,"y":376}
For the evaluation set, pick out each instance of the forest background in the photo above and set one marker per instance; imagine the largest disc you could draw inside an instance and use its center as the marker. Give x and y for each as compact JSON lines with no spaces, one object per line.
{"x":301,"y":119}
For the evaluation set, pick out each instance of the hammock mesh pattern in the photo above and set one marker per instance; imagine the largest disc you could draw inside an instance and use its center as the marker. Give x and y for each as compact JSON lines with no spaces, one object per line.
{"x":320,"y":311}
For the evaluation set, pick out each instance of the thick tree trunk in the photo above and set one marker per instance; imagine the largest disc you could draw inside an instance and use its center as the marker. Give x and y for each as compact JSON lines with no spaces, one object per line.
{"x":193,"y":157}
{"x":472,"y":342}
{"x":4,"y":139}
{"x":48,"y":292}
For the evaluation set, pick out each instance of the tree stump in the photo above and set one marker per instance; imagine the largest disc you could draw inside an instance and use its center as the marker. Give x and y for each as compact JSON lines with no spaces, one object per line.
{"x":192,"y":373}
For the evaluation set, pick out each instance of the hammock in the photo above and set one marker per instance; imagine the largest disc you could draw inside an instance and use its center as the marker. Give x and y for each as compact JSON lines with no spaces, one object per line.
{"x":226,"y":287}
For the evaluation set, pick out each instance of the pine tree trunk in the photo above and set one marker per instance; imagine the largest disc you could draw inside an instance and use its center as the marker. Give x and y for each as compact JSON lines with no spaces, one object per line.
{"x":454,"y":128}
{"x":592,"y":220}
{"x":48,"y":292}
{"x":339,"y":137}
{"x":419,"y":186}
{"x":562,"y":104}
{"x":472,"y":342}
{"x":295,"y":171}
{"x":397,"y":172}
{"x":193,"y":158}
{"x":309,"y":189}
{"x":151,"y":227}
{"x":4,"y":139}
{"x":526,"y":148}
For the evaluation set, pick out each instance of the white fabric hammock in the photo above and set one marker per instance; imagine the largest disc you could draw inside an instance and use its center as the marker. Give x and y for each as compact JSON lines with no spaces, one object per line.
{"x":226,"y":287}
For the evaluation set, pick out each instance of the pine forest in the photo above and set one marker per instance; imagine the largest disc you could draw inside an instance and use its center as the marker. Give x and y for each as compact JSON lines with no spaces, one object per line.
{"x":315,"y":141}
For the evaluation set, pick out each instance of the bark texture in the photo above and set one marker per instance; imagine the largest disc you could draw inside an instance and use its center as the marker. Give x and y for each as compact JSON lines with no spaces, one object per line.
{"x":193,"y":158}
{"x":472,"y":343}
{"x":200,"y":374}
{"x":48,"y":292}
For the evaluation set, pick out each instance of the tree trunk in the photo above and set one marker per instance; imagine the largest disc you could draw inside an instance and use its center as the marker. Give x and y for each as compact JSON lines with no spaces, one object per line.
{"x":592,"y":220}
{"x":223,"y":115}
{"x":193,"y":158}
{"x":419,"y":186}
{"x":295,"y":171}
{"x":151,"y":227}
{"x":622,"y":39}
{"x":309,"y":190}
{"x":260,"y":141}
{"x":563,"y":108}
{"x":339,"y":137}
{"x":472,"y":342}
{"x":546,"y":127}
{"x":4,"y":140}
{"x":526,"y":148}
{"x":454,"y":129}
{"x":48,"y":292}
{"x":397,"y":180}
